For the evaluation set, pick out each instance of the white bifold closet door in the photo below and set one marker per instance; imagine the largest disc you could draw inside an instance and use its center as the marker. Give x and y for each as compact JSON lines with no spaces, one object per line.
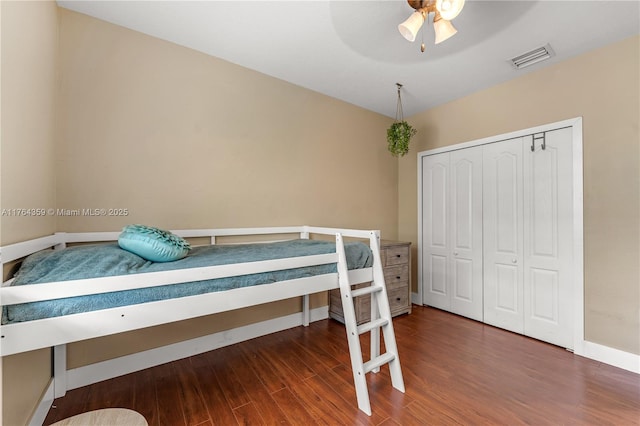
{"x":527,"y":233}
{"x":548,"y":236}
{"x":452,"y":231}
{"x":503,"y":231}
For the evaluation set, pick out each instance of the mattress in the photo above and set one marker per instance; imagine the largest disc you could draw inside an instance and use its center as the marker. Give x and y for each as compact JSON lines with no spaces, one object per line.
{"x":94,"y":261}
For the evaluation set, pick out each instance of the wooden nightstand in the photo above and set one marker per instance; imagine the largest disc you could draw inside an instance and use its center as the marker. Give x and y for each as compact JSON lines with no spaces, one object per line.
{"x":396,"y":264}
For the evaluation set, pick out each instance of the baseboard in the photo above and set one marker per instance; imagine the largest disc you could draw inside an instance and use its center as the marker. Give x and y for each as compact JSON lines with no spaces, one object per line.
{"x":617,"y":358}
{"x":83,"y":376}
{"x":43,"y":407}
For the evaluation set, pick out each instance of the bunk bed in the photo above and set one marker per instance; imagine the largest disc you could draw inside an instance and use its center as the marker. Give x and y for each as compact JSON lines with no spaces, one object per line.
{"x":53,"y":314}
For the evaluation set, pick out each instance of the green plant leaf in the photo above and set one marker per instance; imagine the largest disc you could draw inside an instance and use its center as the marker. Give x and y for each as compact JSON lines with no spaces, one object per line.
{"x":398,"y":137}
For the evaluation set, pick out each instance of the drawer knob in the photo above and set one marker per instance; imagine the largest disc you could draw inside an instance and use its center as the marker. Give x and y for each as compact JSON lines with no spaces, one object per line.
{"x":397,"y":255}
{"x":397,"y":278}
{"x":398,"y":299}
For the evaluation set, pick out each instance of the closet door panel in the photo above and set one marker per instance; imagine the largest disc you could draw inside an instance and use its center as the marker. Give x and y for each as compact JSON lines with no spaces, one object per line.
{"x":506,"y":287}
{"x":437,"y":279}
{"x":435,"y":226}
{"x":503,"y":234}
{"x":543,"y":296}
{"x":462,"y":279}
{"x":548,"y":313}
{"x":466,"y":232}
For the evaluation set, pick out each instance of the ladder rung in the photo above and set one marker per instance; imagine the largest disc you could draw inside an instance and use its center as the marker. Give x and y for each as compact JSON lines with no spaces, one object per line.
{"x":365,"y":290}
{"x":378,"y":361}
{"x":380,"y":322}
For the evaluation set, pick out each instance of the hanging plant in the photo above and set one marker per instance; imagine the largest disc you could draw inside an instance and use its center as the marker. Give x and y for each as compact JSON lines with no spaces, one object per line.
{"x":398,"y":136}
{"x":400,"y":133}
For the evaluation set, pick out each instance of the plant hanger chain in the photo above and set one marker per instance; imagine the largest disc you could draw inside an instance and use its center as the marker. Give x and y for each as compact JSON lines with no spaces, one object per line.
{"x":399,"y":106}
{"x":400,"y":133}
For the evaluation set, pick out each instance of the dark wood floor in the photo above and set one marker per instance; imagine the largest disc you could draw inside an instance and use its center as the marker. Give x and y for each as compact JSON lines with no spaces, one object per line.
{"x":456,"y":371}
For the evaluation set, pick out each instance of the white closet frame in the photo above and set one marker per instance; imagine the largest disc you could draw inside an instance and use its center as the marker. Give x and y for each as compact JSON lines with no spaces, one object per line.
{"x":579,"y":344}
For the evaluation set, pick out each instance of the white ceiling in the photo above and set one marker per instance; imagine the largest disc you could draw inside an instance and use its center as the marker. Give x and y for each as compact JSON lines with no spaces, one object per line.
{"x":352,"y":50}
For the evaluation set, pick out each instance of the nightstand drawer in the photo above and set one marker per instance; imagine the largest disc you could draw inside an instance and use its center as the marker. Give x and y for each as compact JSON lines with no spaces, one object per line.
{"x":396,"y":255}
{"x":396,"y":277}
{"x":398,"y":300}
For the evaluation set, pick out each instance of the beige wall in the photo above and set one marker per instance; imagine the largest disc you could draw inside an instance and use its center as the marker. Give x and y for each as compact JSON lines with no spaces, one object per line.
{"x":603,"y":88}
{"x":29,"y":72}
{"x":29,"y":33}
{"x":184,"y":140}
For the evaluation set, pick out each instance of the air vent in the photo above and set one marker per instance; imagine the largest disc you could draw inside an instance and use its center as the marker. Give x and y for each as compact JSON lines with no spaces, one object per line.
{"x":532,"y":57}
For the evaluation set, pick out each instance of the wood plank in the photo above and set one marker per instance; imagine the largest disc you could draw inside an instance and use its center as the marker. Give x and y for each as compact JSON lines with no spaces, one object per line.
{"x":294,"y":410}
{"x":170,"y":409}
{"x":314,"y":348}
{"x":195,"y":410}
{"x":260,"y":397}
{"x":274,"y":379}
{"x":316,"y":406}
{"x":248,"y":414}
{"x":285,"y":350}
{"x":234,"y":391}
{"x":213,"y":392}
{"x":346,"y":411}
{"x":145,"y":399}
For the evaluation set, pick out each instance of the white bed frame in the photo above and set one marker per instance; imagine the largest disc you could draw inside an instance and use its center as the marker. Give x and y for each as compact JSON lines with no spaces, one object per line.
{"x":58,"y":331}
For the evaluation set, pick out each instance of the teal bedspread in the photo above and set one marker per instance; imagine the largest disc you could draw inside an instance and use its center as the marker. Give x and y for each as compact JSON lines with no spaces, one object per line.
{"x":93,"y":261}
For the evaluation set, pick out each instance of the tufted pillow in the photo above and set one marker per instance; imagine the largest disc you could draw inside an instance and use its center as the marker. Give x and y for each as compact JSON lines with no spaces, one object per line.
{"x":152,"y":243}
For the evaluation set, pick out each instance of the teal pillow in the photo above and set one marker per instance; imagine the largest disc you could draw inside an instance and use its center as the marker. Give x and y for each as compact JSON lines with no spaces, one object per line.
{"x":152,"y":243}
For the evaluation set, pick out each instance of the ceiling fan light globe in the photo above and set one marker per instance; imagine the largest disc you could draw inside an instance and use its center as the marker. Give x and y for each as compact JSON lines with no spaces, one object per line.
{"x":449,"y":9}
{"x":409,"y":28}
{"x":444,"y":29}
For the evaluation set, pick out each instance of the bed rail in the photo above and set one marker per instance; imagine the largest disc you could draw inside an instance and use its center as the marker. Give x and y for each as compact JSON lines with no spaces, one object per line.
{"x":15,"y":251}
{"x":11,"y":343}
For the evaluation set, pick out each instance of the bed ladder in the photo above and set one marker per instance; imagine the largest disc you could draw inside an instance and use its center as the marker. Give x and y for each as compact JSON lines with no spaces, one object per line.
{"x":380,"y":320}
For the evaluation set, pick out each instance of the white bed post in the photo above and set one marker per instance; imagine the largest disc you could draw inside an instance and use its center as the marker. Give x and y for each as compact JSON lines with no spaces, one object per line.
{"x":60,"y":351}
{"x":306,"y":313}
{"x":59,"y":371}
{"x":374,"y":243}
{"x":63,"y":241}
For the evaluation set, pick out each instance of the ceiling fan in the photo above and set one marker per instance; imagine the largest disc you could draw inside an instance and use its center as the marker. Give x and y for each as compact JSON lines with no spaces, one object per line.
{"x":443,"y":12}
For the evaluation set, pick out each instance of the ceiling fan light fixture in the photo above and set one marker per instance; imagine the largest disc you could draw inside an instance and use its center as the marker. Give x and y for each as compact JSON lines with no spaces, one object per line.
{"x":409,"y":28}
{"x":444,"y":29}
{"x":443,"y":12}
{"x":449,"y":9}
